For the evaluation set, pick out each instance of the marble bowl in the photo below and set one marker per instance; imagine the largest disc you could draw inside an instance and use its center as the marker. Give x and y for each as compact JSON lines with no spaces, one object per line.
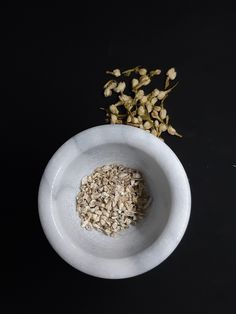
{"x":140,"y":247}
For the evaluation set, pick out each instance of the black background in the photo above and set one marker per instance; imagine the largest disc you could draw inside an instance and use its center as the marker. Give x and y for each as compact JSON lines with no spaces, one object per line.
{"x":56,"y":59}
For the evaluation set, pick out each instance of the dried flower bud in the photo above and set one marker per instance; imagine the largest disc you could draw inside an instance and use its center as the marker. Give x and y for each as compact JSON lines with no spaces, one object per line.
{"x":139,"y":94}
{"x":115,"y":72}
{"x":107,"y":92}
{"x":155,"y":92}
{"x":163,"y":113}
{"x":171,"y":73}
{"x":144,"y":80}
{"x":162,"y":127}
{"x":124,"y":98}
{"x":157,"y":108}
{"x":147,"y":125}
{"x":142,"y":71}
{"x":140,"y":119}
{"x":153,"y":100}
{"x":135,"y":120}
{"x":172,"y":131}
{"x":128,"y":105}
{"x":129,"y":118}
{"x":161,"y":95}
{"x":143,"y":100}
{"x":156,"y":123}
{"x":114,"y":119}
{"x":141,"y":110}
{"x":155,"y":72}
{"x":154,"y":114}
{"x":134,"y":82}
{"x":141,"y":126}
{"x":114,"y":109}
{"x":110,"y":84}
{"x":154,"y":132}
{"x":149,"y":106}
{"x":145,"y":83}
{"x":120,"y":88}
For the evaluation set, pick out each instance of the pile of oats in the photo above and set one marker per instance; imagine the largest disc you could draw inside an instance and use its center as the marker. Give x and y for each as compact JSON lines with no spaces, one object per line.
{"x":138,"y":108}
{"x":112,"y":198}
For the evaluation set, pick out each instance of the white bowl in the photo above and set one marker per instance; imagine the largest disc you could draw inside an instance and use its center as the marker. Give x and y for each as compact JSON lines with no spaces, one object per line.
{"x":139,"y":248}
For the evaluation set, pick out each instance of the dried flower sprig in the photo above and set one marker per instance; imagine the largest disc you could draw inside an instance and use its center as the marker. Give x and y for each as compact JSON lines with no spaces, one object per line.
{"x":145,"y":111}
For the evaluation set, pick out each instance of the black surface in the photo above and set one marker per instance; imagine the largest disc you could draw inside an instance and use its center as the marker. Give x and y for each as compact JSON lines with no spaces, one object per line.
{"x":57,"y":60}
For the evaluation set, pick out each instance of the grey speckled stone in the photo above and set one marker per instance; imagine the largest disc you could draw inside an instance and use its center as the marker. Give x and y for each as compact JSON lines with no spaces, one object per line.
{"x":141,"y":247}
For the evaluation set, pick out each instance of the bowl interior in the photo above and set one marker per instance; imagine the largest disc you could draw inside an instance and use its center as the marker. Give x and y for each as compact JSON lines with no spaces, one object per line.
{"x":128,"y":242}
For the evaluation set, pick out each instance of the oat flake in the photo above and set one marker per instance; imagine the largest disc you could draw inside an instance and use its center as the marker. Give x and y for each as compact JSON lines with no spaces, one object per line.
{"x":112,"y":198}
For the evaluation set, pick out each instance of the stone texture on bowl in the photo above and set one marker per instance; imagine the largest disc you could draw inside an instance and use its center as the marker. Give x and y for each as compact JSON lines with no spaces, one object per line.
{"x":137,"y":249}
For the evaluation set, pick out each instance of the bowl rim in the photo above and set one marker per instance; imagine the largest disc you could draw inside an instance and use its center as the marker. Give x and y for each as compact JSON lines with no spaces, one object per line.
{"x":122,"y":267}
